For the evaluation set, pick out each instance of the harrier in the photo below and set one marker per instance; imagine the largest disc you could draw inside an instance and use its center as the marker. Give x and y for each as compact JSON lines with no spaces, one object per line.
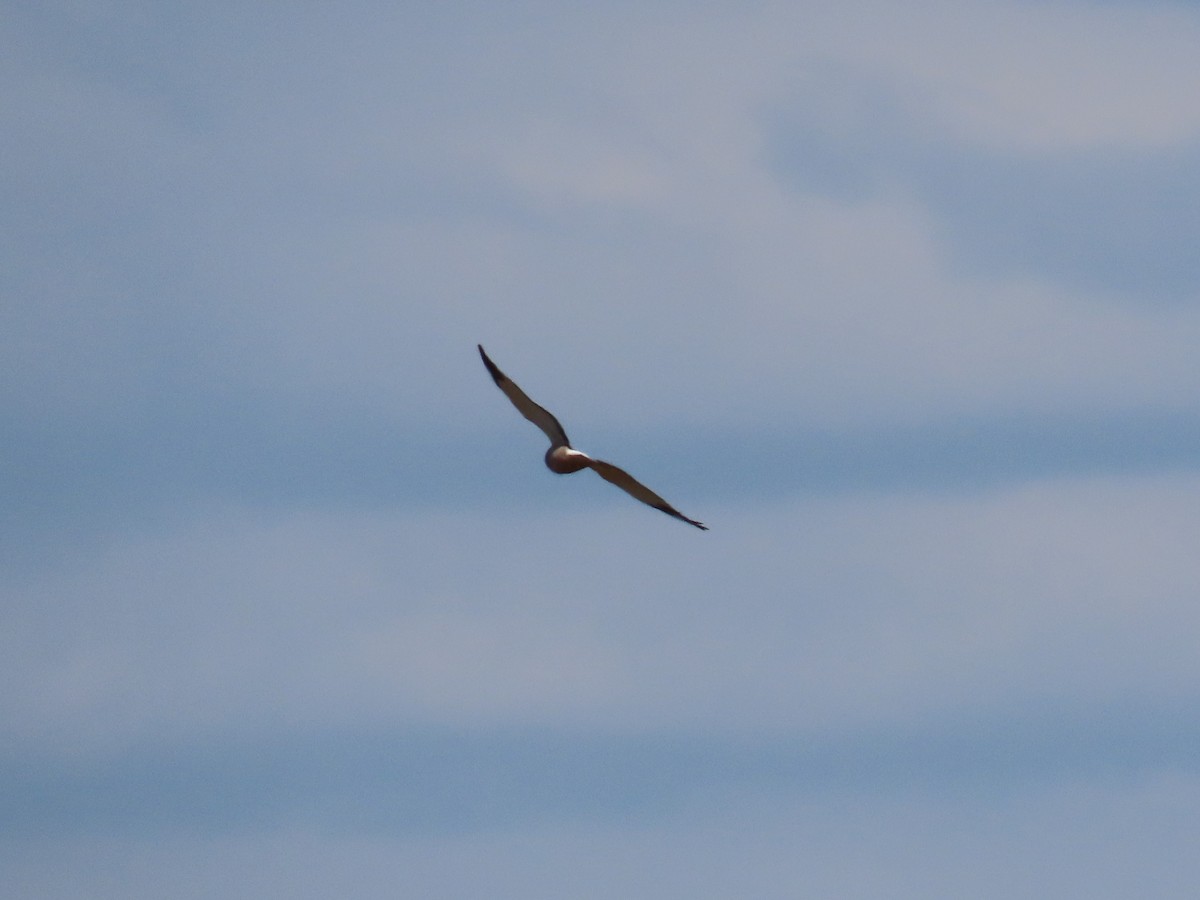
{"x":563,"y":459}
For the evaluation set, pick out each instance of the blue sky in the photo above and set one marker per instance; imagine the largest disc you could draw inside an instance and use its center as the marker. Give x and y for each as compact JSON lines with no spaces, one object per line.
{"x":899,"y":298}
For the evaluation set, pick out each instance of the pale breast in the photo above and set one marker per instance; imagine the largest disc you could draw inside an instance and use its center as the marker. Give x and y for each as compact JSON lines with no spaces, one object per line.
{"x":564,"y":460}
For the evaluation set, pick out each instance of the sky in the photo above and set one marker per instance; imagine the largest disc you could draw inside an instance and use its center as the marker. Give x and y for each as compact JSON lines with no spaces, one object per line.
{"x":901,"y":299}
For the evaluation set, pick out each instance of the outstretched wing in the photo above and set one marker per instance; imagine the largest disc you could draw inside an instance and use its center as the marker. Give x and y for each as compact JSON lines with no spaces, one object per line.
{"x":526,"y":407}
{"x":635,"y":488}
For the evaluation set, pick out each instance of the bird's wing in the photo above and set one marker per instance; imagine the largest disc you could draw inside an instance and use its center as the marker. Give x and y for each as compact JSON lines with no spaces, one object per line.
{"x":635,"y":488}
{"x":530,"y":410}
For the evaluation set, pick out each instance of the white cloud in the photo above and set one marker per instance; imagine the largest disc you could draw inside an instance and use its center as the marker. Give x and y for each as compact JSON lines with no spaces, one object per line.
{"x":1033,"y":78}
{"x":1111,"y":838}
{"x":349,"y":238}
{"x":487,"y":667}
{"x":814,"y":618}
{"x":254,"y":235}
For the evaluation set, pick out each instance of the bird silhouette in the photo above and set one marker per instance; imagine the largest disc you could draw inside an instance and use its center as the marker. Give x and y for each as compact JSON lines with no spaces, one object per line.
{"x":563,"y":459}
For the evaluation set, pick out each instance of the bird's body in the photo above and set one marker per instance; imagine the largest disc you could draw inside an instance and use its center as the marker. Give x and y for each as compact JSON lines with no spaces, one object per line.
{"x":563,"y":459}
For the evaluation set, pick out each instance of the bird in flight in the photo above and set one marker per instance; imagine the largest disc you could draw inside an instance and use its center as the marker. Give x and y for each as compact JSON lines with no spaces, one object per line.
{"x":564,"y":459}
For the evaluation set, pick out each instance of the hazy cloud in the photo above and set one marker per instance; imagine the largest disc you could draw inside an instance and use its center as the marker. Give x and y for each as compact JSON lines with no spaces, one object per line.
{"x":896,"y":297}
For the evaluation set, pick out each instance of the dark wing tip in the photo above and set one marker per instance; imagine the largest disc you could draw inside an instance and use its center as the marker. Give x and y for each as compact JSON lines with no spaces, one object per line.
{"x":672,"y":511}
{"x":497,"y":375}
